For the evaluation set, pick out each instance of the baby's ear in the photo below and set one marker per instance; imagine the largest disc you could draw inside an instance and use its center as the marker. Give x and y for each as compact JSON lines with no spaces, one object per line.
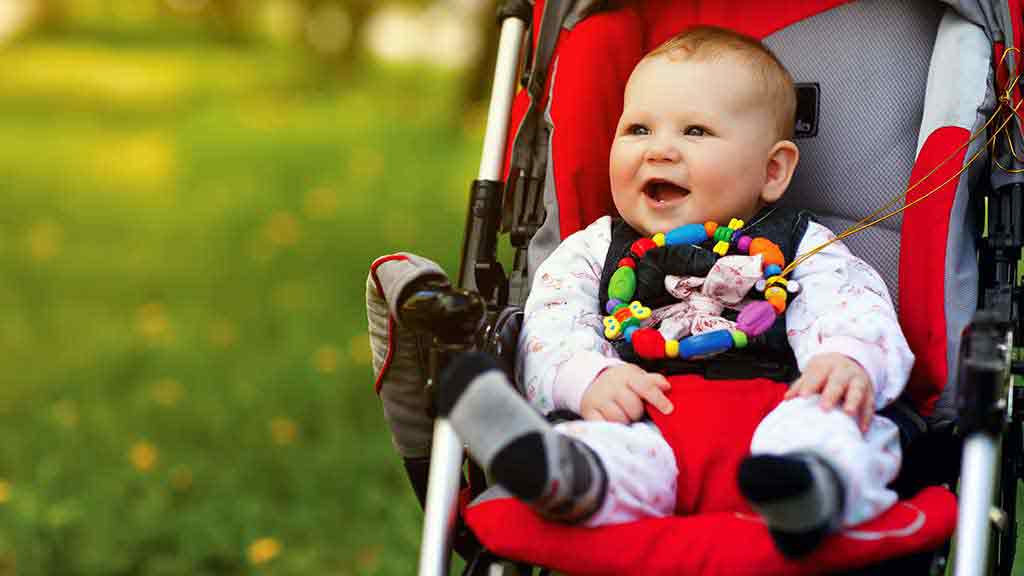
{"x":781,"y":163}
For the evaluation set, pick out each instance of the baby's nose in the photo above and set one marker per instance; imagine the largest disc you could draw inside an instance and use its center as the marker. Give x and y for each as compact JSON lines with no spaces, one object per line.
{"x":662,"y":152}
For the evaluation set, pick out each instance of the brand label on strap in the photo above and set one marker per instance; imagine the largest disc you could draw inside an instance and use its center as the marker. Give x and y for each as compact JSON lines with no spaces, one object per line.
{"x":806,"y":110}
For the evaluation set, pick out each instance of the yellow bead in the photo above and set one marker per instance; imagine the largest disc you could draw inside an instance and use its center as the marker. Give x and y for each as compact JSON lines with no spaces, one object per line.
{"x":640,"y":312}
{"x":776,"y":281}
{"x":611,"y":327}
{"x":735,"y":223}
{"x":775,"y":292}
{"x":721,"y":248}
{"x":671,"y":348}
{"x":659,"y":239}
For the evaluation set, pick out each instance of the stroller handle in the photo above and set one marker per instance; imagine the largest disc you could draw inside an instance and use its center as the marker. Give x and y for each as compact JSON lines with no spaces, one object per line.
{"x":502,"y":93}
{"x":446,"y":448}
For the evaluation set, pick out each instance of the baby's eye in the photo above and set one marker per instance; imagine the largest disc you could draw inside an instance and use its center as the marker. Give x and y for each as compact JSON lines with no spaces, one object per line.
{"x":695,"y":131}
{"x":638,"y":130}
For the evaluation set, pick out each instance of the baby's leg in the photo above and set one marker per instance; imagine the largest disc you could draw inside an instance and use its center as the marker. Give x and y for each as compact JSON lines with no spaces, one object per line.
{"x":593,"y":472}
{"x":641,"y":469}
{"x":559,"y":477}
{"x":812,"y":470}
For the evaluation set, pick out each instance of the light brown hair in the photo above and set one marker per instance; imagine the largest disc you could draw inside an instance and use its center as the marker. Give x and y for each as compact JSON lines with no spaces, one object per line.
{"x":709,"y":43}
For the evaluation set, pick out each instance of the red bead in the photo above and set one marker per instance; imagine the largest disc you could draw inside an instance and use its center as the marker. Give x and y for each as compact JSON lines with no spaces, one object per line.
{"x":627,"y":262}
{"x":641,"y":246}
{"x":770,"y":252}
{"x":649,"y":343}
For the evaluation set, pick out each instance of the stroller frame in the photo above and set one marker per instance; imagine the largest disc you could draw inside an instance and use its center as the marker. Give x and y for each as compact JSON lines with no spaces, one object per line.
{"x":483,"y":311}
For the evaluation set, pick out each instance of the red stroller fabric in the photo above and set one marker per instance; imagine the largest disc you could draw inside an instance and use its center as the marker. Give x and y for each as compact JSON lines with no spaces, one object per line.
{"x":716,"y":543}
{"x":716,"y":533}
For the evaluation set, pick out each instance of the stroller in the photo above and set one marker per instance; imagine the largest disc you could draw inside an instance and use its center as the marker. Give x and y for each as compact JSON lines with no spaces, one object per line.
{"x":918,"y":95}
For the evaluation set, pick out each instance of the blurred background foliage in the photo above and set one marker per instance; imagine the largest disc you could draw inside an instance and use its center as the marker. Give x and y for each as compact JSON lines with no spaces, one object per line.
{"x":192,"y":193}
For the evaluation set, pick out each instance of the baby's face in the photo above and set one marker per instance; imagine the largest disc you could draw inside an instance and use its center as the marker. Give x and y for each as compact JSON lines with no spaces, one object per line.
{"x":692,"y":145}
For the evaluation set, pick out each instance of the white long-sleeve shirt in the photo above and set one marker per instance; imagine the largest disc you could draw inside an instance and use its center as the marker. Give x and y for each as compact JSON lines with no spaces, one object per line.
{"x":843,"y":307}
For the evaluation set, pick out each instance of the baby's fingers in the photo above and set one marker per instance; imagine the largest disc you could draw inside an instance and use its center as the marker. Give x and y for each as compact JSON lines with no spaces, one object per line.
{"x":611,"y":412}
{"x":853,"y":403}
{"x":810,"y":382}
{"x":866,"y":414}
{"x":865,"y":407}
{"x":838,"y":383}
{"x":651,"y":388}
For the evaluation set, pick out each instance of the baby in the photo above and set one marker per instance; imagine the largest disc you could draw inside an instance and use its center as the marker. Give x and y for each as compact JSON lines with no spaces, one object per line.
{"x":704,"y":136}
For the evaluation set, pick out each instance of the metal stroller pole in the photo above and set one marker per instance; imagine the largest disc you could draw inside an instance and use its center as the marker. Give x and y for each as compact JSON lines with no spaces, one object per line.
{"x":982,"y":400}
{"x":493,"y":157}
{"x":442,"y":491}
{"x":977,"y":490}
{"x":446,"y":452}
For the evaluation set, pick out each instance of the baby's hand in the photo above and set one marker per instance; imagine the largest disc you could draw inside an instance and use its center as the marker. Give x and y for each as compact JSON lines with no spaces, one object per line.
{"x":841,"y":381}
{"x":618,"y":394}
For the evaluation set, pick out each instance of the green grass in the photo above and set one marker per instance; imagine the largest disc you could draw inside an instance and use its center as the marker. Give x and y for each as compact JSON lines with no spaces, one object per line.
{"x":184,"y":241}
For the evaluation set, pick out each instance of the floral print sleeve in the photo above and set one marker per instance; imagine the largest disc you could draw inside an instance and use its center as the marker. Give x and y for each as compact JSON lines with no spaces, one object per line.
{"x":844,"y":307}
{"x":562,"y":347}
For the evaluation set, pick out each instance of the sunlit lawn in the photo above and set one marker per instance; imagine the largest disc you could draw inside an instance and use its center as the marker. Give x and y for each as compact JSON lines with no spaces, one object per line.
{"x":184,"y":238}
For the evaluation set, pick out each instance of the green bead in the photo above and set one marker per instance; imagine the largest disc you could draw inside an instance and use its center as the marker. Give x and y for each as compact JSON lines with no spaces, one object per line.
{"x":739,"y":338}
{"x":723,"y":234}
{"x":623,"y":284}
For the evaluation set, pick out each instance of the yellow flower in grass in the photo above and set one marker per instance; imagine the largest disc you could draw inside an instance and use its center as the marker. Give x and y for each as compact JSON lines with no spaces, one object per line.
{"x":283,"y":229}
{"x":5,"y":491}
{"x":44,"y":240}
{"x":167,"y":392}
{"x":143,"y":456}
{"x":153,"y":324}
{"x":326,"y":359}
{"x":263,"y":550}
{"x":320,"y":203}
{"x":283,"y":431}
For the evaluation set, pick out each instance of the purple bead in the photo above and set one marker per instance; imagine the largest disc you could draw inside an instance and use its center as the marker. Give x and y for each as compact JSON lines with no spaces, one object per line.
{"x":744,"y":243}
{"x":756,"y":318}
{"x":611,"y":305}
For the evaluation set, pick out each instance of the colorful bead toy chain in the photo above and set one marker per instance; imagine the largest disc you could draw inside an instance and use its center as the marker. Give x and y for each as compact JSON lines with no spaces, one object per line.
{"x":755,"y":318}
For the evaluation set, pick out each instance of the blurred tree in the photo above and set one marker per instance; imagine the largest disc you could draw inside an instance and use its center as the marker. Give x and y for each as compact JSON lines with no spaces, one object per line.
{"x":480,"y":74}
{"x":226,"y":17}
{"x":52,"y":13}
{"x":334,"y":28}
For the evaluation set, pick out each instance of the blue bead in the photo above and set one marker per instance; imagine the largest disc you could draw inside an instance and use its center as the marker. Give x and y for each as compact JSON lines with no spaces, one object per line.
{"x":772,"y":270}
{"x":628,"y":334}
{"x":611,"y":305}
{"x":705,"y":344}
{"x":686,"y":234}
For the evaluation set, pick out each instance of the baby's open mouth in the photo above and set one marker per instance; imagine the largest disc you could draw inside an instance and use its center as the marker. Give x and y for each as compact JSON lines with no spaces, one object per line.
{"x":662,"y":191}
